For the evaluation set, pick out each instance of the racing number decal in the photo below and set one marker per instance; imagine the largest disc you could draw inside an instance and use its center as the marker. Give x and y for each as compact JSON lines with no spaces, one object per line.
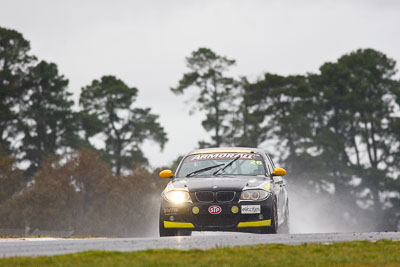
{"x":214,"y":209}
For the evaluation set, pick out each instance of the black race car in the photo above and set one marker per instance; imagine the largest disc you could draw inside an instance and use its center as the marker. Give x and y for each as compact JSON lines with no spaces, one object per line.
{"x":224,"y":189}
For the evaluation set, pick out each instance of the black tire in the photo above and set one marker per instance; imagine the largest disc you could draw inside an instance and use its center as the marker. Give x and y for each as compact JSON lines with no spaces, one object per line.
{"x":171,"y":232}
{"x":273,"y":229}
{"x":166,"y":232}
{"x":183,"y":233}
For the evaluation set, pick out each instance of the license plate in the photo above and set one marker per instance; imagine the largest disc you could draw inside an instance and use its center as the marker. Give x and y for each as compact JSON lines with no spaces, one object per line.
{"x":251,"y":209}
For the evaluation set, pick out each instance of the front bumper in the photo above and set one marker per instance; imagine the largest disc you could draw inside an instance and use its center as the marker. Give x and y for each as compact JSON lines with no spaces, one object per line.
{"x":181,"y":216}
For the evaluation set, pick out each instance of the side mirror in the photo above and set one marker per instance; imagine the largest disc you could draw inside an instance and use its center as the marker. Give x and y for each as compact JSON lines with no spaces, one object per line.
{"x":279,"y":172}
{"x":166,"y":174}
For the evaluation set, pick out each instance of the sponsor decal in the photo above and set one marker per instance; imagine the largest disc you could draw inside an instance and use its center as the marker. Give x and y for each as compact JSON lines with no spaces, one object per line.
{"x":267,"y":186}
{"x":251,"y":209}
{"x":214,"y":209}
{"x":245,"y":156}
{"x":170,"y":211}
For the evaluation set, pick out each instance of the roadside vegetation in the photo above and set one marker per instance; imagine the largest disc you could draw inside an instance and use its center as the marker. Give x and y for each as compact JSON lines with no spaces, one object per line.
{"x":381,"y":253}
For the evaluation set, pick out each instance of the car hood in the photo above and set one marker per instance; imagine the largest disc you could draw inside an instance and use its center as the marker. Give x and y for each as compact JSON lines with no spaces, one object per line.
{"x":218,"y":183}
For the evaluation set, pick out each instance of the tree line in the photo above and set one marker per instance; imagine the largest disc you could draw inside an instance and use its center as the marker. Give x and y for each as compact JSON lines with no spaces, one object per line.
{"x":52,"y":176}
{"x":336,"y":131}
{"x":37,"y":118}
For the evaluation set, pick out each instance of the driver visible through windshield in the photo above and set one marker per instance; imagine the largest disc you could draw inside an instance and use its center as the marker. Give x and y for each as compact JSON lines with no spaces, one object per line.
{"x":221,"y":164}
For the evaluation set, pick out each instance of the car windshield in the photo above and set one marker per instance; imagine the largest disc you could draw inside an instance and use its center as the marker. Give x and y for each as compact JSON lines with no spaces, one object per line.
{"x":210,"y":164}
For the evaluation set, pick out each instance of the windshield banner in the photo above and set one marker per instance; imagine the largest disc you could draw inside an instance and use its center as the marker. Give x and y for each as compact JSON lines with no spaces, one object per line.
{"x":245,"y":156}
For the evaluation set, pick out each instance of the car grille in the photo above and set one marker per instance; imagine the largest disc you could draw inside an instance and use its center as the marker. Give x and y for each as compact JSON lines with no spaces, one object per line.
{"x":221,"y":196}
{"x":225,"y":196}
{"x":205,"y":196}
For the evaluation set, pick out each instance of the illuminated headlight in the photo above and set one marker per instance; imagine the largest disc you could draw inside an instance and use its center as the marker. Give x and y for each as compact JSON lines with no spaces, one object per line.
{"x":254,"y":195}
{"x":176,"y":196}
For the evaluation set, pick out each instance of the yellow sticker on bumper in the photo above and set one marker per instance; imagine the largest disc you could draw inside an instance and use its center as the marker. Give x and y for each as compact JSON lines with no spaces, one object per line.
{"x":254,"y":224}
{"x":177,"y":225}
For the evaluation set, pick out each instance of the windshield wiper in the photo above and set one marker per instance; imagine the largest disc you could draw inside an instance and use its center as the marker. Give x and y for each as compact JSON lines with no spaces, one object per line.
{"x":204,"y":169}
{"x":227,"y":165}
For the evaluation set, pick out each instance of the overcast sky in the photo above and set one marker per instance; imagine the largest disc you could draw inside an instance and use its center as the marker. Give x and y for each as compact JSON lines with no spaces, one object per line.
{"x":144,"y":43}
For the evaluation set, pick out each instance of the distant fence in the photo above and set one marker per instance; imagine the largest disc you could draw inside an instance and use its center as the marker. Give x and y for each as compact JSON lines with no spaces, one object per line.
{"x":24,"y":232}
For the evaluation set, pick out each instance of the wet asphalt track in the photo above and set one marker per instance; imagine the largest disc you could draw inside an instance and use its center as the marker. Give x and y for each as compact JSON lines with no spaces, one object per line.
{"x":10,"y":248}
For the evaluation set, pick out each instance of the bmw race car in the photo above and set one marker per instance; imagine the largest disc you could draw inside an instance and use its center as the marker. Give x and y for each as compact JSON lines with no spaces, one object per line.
{"x":224,"y":189}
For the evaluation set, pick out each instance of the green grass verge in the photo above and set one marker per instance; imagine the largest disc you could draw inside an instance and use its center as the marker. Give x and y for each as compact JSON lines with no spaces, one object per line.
{"x":359,"y":253}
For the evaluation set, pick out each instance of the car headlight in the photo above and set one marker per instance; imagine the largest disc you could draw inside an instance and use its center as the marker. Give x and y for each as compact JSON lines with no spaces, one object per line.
{"x":177,"y":196}
{"x":254,"y":195}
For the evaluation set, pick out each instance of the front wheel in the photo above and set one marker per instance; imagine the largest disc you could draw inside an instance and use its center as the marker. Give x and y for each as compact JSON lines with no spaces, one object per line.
{"x":183,"y":233}
{"x":166,"y":232}
{"x":273,"y":228}
{"x":171,"y":232}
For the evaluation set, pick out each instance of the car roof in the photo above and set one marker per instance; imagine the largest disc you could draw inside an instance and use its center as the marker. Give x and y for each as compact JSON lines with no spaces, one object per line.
{"x":227,"y":150}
